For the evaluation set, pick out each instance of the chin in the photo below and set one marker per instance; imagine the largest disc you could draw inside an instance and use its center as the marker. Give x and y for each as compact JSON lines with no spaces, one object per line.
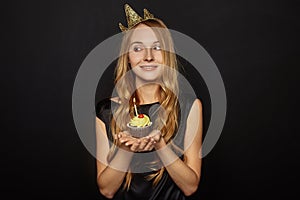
{"x":148,"y":78}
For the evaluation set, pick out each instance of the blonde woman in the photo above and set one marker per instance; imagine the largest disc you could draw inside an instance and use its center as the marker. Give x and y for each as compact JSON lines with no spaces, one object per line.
{"x":146,"y":78}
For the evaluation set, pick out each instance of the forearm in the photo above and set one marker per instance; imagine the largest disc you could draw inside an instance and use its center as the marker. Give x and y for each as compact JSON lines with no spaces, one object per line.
{"x":111,"y":178}
{"x":183,"y":176}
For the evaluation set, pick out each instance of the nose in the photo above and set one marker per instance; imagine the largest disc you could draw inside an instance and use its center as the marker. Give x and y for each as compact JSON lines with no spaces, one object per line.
{"x":148,"y":55}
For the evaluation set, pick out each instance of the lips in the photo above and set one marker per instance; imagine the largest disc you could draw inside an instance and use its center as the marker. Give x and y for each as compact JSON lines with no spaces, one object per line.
{"x":148,"y":67}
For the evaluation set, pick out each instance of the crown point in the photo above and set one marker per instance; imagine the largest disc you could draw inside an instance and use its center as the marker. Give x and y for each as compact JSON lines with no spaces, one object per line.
{"x":126,"y":6}
{"x":133,"y":18}
{"x":122,"y":28}
{"x":147,"y":14}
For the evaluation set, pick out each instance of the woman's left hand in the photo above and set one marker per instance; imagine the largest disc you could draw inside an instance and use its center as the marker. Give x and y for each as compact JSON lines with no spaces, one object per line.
{"x":156,"y":135}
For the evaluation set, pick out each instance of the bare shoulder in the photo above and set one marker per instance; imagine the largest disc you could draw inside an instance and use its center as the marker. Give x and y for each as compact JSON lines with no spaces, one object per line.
{"x":196,"y":112}
{"x":197,"y":105}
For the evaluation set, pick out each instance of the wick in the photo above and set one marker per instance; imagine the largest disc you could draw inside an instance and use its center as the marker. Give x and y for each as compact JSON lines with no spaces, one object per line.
{"x":136,"y":113}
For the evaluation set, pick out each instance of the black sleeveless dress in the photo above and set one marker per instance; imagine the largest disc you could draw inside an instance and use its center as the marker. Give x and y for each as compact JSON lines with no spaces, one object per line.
{"x":140,"y":187}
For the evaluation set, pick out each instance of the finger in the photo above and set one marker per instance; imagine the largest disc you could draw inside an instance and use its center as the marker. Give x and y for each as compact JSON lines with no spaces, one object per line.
{"x":157,"y":138}
{"x":151,"y":148}
{"x":135,"y":146}
{"x":123,"y":134}
{"x":124,"y":140}
{"x":144,"y":142}
{"x":150,"y":145}
{"x":156,"y":135}
{"x":130,"y":142}
{"x":120,"y":134}
{"x":116,"y":136}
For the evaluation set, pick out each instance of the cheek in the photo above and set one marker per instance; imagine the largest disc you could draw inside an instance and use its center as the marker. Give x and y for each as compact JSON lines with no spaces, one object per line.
{"x":134,"y":58}
{"x":158,"y":56}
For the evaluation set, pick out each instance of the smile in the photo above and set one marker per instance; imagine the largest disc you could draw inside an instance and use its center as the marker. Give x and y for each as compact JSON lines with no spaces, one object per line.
{"x":148,"y":67}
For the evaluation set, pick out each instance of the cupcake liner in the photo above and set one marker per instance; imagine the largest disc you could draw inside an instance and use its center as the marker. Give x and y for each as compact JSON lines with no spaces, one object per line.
{"x":139,"y":132}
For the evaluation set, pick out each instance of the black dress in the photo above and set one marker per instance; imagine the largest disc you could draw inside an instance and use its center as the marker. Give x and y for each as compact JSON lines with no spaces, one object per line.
{"x":140,"y":187}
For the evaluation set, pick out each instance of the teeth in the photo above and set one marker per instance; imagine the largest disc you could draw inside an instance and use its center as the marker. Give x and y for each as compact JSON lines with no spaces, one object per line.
{"x":148,"y":67}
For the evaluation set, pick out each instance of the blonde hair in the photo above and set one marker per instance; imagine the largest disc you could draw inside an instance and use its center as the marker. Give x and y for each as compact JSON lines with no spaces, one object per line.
{"x":168,"y":119}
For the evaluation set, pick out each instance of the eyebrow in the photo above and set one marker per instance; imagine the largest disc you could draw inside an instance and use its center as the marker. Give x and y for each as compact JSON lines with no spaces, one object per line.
{"x":138,"y":42}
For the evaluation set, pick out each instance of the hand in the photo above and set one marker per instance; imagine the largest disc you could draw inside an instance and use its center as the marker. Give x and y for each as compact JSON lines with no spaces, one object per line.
{"x":158,"y":138}
{"x":129,"y":143}
{"x":156,"y":135}
{"x":148,"y":143}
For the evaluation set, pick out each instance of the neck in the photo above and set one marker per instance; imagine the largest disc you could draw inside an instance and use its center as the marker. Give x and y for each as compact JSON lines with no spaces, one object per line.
{"x":149,"y":93}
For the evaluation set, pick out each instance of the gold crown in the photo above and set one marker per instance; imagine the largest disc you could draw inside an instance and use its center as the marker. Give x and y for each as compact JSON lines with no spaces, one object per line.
{"x":133,"y":18}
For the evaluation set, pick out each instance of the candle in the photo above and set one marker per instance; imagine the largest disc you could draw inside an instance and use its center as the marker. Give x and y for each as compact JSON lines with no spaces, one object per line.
{"x":136,"y":113}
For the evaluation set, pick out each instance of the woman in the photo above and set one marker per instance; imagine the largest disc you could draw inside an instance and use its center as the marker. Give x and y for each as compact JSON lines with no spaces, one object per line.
{"x":146,"y":76}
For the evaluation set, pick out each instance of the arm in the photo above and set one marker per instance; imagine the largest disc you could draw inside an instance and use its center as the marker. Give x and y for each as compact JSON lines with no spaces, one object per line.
{"x":185,"y":174}
{"x":110,"y":176}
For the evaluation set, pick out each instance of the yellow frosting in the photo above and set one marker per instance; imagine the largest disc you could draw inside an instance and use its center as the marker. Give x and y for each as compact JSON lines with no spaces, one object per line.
{"x":140,"y":122}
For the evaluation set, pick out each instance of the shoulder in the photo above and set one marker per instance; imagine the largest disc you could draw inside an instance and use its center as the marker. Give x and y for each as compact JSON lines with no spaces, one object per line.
{"x":197,"y":105}
{"x":104,"y":106}
{"x":187,"y":101}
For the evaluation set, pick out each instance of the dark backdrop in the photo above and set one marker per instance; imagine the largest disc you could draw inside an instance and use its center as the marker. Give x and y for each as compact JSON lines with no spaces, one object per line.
{"x":253,"y":43}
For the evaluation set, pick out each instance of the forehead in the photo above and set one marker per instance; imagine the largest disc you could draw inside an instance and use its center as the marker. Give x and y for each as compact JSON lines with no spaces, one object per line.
{"x":144,"y":34}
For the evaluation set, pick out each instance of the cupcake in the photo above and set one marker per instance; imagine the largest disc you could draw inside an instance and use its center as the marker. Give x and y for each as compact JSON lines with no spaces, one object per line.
{"x":140,"y":125}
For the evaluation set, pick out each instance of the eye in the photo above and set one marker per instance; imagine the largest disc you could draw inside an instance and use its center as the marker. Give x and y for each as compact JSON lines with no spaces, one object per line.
{"x":137,"y":48}
{"x":157,"y":48}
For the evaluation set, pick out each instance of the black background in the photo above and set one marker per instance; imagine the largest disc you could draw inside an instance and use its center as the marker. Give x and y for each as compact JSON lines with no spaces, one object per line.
{"x":253,"y":43}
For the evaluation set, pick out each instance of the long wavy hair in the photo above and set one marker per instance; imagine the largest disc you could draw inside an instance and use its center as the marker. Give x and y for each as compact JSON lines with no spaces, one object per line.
{"x":125,"y":87}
